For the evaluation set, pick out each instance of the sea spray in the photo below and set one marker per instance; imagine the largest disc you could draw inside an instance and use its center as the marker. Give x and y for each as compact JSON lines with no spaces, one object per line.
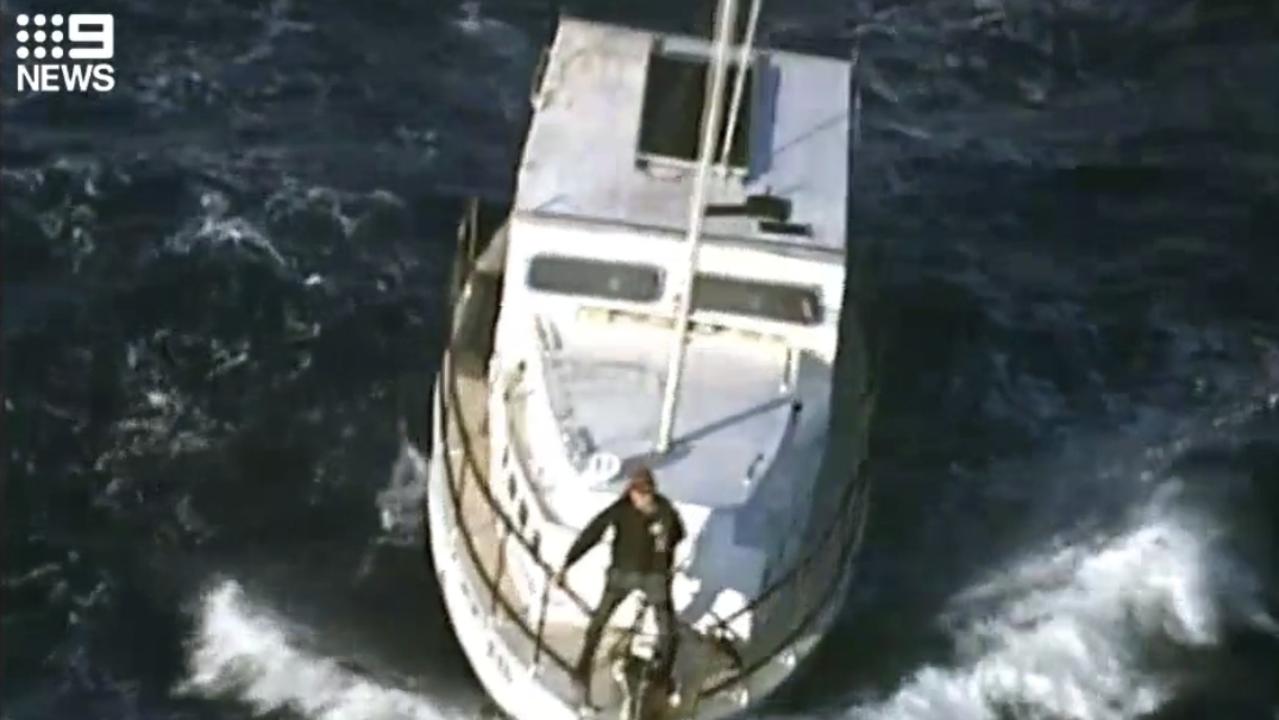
{"x":244,"y":652}
{"x":1061,"y":632}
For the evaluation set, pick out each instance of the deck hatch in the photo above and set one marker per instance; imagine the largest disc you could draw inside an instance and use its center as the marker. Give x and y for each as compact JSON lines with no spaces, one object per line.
{"x":674,"y":97}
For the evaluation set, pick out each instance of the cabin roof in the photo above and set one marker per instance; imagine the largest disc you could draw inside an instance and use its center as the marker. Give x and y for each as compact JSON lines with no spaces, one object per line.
{"x":589,"y":153}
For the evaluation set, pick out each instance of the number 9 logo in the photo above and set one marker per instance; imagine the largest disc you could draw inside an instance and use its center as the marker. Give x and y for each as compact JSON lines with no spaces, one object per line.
{"x":95,"y":30}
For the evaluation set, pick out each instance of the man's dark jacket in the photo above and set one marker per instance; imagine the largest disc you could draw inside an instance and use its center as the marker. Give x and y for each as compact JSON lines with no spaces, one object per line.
{"x":641,"y":543}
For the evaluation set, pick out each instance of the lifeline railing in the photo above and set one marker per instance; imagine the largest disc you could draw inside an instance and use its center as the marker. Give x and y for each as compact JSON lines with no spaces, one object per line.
{"x":824,"y":571}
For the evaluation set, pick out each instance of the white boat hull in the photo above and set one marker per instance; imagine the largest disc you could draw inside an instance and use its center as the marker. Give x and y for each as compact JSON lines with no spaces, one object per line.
{"x":519,"y":690}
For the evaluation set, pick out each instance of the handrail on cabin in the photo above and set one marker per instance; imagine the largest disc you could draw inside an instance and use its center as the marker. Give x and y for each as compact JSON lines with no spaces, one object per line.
{"x":855,"y":496}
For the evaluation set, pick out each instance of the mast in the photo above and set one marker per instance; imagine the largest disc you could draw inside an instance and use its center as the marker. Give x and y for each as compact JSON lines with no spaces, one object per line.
{"x":739,"y":86}
{"x":711,"y":122}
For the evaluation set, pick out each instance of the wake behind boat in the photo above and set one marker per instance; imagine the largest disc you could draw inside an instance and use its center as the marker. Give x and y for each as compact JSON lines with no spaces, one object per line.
{"x":669,"y":289}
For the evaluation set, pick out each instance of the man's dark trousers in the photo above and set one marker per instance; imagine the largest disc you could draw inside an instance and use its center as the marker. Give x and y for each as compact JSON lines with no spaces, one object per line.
{"x":656,"y":588}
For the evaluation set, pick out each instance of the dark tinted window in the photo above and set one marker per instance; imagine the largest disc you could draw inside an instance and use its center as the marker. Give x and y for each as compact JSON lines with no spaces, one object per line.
{"x":610,"y":280}
{"x":788,"y":303}
{"x":674,"y":94}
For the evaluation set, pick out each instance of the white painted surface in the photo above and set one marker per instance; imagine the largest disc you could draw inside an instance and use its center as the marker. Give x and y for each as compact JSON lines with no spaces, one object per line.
{"x":526,"y":693}
{"x":580,"y":158}
{"x":531,"y":236}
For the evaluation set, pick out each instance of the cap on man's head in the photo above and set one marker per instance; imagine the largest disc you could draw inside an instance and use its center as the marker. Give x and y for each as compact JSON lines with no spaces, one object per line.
{"x":641,"y":480}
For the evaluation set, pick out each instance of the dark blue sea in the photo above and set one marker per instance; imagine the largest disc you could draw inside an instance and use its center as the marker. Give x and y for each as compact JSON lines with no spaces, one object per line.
{"x":224,"y":296}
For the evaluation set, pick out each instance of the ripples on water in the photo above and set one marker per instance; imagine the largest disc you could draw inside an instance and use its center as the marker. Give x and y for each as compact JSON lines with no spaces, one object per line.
{"x":224,"y":295}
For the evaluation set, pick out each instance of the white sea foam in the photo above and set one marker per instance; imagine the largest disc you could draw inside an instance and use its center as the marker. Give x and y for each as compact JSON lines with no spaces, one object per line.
{"x":219,"y":228}
{"x":1060,"y":633}
{"x":400,"y":502}
{"x":242,"y":651}
{"x":472,"y":20}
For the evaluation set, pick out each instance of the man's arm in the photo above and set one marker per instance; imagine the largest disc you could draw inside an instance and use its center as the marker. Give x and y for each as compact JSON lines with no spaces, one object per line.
{"x":677,"y":525}
{"x":589,"y":536}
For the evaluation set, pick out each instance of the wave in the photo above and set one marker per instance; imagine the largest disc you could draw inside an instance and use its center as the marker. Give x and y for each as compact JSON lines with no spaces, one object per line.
{"x":243,"y":651}
{"x":1082,"y":628}
{"x":1061,"y":634}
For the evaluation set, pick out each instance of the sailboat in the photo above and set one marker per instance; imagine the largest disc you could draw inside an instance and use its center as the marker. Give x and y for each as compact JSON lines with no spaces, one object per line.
{"x":670,"y":287}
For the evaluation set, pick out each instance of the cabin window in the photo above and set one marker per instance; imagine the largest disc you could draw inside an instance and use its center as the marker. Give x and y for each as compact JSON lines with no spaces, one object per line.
{"x":595,"y":278}
{"x":771,"y":301}
{"x":674,"y":97}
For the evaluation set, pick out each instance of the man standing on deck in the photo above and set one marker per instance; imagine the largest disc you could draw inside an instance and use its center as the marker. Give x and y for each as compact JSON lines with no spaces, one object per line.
{"x":646,"y":529}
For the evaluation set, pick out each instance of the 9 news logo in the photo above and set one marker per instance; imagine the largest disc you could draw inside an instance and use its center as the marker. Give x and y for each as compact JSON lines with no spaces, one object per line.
{"x":79,"y":40}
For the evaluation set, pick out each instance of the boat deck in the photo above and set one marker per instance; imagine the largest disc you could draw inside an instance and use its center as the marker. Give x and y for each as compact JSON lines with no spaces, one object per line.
{"x":514,"y":610}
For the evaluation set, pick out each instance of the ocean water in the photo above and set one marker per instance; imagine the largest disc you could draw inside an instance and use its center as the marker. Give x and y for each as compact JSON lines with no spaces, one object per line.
{"x":223,"y":299}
